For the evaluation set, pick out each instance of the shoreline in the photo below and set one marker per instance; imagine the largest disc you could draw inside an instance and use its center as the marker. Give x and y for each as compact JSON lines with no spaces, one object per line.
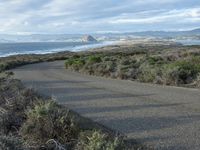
{"x":92,"y":46}
{"x":78,"y":48}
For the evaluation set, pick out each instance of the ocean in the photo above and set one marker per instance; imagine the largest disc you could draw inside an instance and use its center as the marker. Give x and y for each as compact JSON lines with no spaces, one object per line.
{"x":8,"y":49}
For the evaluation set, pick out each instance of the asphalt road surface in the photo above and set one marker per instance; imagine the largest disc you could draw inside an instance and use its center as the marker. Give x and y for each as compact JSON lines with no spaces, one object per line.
{"x":166,"y":118}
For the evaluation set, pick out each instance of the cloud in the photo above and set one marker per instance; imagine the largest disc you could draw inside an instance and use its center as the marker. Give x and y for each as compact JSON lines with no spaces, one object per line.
{"x":69,"y":16}
{"x":192,"y":14}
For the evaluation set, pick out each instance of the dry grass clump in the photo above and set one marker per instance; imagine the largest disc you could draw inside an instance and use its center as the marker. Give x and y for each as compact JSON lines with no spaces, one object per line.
{"x":96,"y":140}
{"x":182,"y":71}
{"x":47,"y":120}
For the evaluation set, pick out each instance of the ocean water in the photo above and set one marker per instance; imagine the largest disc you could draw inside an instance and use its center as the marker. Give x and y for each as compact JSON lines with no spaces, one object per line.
{"x":8,"y":49}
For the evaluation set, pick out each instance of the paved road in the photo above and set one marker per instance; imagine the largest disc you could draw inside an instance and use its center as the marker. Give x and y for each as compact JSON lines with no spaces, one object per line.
{"x":167,"y":118}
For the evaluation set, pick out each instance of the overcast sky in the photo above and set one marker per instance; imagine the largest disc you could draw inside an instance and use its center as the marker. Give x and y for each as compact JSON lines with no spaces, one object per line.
{"x":97,"y":16}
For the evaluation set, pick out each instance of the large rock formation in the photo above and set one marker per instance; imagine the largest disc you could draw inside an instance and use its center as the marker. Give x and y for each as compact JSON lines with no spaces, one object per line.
{"x":89,"y":38}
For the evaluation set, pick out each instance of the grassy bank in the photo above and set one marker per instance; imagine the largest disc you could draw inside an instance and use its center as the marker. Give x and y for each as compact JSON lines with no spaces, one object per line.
{"x":29,"y":122}
{"x":167,"y":65}
{"x":19,"y":60}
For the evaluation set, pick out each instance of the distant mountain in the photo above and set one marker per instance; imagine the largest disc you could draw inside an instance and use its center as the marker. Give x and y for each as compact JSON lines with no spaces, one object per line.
{"x":195,"y":31}
{"x":192,"y":34}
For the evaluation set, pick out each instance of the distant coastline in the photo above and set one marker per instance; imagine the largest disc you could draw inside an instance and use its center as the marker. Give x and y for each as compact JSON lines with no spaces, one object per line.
{"x":10,"y":49}
{"x":19,"y":48}
{"x":189,"y":42}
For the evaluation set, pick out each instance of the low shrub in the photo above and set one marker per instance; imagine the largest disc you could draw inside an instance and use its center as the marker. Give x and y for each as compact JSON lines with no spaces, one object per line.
{"x":13,"y":103}
{"x":94,"y":59}
{"x":97,"y":140}
{"x":48,"y":121}
{"x":155,"y":60}
{"x":10,"y":142}
{"x":161,"y":67}
{"x":182,"y":72}
{"x":147,"y":73}
{"x":10,"y":122}
{"x":111,"y":66}
{"x":3,"y":67}
{"x":75,"y":64}
{"x":121,"y":72}
{"x":125,"y":62}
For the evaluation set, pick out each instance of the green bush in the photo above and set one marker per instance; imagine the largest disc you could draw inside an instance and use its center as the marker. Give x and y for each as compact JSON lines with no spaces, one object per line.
{"x":155,"y":60}
{"x":111,"y":66}
{"x":49,"y":121}
{"x":75,"y":64}
{"x":182,"y":72}
{"x":94,"y":59}
{"x":195,"y":59}
{"x":97,"y":140}
{"x":157,"y":64}
{"x":77,"y":61}
{"x":2,"y":67}
{"x":147,"y":74}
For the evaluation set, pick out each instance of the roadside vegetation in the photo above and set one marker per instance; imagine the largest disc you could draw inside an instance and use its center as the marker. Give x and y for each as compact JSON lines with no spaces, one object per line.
{"x":167,"y":65}
{"x":31,"y":122}
{"x":19,"y":60}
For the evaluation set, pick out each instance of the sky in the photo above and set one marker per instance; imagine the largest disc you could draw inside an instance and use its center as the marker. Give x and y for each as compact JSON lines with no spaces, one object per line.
{"x":97,"y":16}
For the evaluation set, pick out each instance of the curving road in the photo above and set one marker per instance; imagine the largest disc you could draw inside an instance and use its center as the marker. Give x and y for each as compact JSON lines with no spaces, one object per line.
{"x":166,"y":118}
